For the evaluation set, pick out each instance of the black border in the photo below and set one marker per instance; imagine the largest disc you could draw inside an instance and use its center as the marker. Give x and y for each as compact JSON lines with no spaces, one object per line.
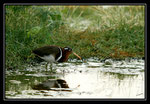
{"x":75,"y":99}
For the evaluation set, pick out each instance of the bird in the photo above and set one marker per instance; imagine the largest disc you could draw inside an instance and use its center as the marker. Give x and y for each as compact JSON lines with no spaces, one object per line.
{"x":54,"y":54}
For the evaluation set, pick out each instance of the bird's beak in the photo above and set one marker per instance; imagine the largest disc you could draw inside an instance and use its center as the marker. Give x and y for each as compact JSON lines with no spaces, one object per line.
{"x":77,"y":55}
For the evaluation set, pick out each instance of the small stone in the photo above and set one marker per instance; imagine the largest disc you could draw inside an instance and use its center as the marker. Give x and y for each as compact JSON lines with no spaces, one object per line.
{"x":108,"y":62}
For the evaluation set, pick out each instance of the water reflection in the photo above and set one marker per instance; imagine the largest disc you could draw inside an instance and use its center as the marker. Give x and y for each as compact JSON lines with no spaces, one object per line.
{"x":51,"y":83}
{"x":90,"y":79}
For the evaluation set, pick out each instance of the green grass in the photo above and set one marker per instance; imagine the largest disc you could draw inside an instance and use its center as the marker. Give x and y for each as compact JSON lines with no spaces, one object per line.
{"x":92,"y":31}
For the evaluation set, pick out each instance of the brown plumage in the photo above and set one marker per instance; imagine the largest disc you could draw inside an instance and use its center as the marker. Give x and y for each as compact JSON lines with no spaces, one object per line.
{"x":55,"y":51}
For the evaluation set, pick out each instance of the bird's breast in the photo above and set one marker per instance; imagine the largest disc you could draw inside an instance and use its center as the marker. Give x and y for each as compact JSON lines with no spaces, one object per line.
{"x":48,"y":58}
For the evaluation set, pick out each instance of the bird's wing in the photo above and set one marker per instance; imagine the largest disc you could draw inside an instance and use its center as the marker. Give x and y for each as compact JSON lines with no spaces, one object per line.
{"x":46,"y":50}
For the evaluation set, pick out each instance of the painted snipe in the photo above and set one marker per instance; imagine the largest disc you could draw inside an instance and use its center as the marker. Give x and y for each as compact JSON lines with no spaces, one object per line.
{"x":53,"y":54}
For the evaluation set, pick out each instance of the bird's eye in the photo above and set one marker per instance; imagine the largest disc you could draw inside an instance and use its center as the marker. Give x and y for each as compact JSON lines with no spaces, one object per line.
{"x":66,"y":48}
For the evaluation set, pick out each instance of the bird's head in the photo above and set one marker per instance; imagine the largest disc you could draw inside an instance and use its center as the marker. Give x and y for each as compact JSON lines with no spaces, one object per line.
{"x":69,"y":50}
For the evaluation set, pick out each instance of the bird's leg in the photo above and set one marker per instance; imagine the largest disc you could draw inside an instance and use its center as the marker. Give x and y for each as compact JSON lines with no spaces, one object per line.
{"x":51,"y":66}
{"x":46,"y":66}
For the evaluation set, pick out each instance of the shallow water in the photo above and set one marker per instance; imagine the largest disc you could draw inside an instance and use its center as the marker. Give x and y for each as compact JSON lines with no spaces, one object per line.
{"x":91,"y":78}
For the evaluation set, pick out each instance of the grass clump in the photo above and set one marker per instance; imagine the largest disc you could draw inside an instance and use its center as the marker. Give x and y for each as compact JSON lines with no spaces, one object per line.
{"x":92,"y":31}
